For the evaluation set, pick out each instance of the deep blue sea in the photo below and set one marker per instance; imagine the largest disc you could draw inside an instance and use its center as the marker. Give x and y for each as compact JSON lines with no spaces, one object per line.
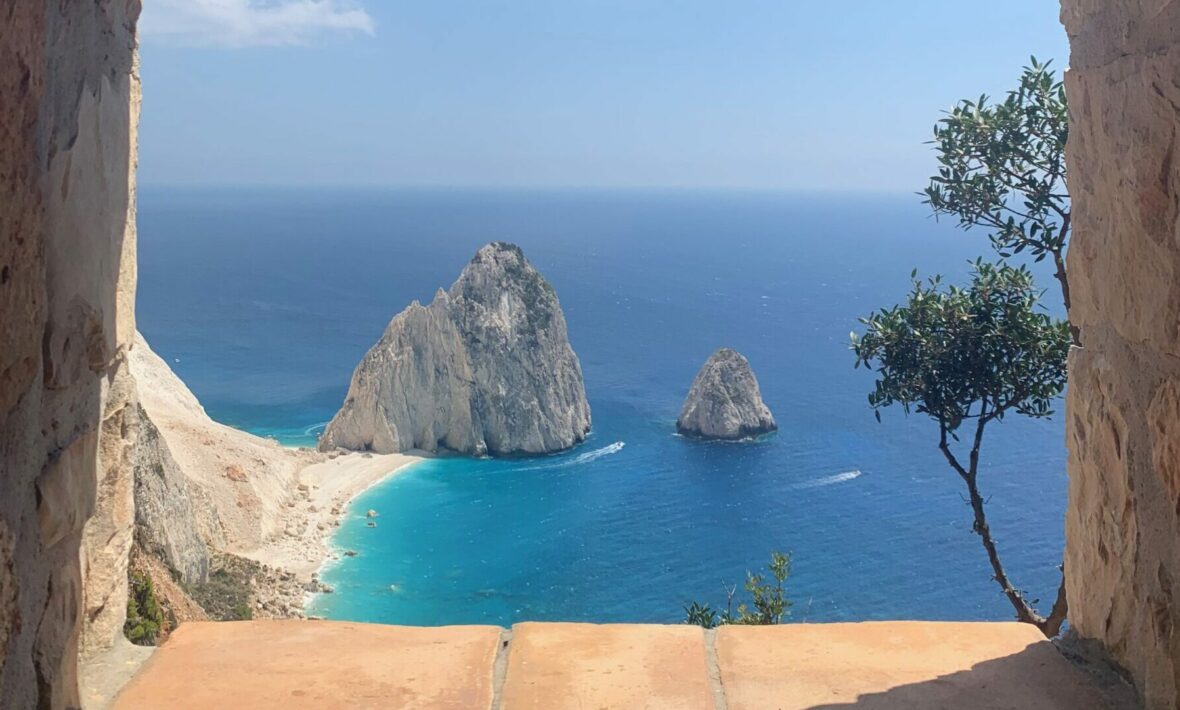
{"x":264,"y":301}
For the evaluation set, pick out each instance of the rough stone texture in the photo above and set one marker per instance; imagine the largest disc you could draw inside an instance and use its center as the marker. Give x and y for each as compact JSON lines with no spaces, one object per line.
{"x":486,"y":368}
{"x":901,"y":665}
{"x":66,"y":116}
{"x":555,"y":666}
{"x":165,"y":524}
{"x":310,"y":664}
{"x":725,"y":401}
{"x":108,"y":534}
{"x":1123,"y":518}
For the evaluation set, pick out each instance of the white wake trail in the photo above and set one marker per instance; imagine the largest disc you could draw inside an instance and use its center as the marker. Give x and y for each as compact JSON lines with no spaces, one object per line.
{"x":580,"y":458}
{"x":830,"y":480}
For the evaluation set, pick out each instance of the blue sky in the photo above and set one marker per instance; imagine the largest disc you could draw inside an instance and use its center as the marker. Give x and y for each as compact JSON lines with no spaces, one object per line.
{"x":566,"y":93}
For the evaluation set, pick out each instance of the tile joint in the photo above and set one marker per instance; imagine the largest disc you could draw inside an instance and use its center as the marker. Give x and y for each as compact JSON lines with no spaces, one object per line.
{"x":714,"y":671}
{"x":500,"y":667}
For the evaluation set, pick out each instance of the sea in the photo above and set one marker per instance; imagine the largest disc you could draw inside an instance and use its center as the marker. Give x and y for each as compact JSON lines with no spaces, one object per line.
{"x":264,"y":300}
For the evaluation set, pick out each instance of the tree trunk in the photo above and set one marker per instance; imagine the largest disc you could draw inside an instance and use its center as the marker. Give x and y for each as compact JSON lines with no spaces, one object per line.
{"x":1050,"y":626}
{"x":1059,"y":612}
{"x":1063,"y":279}
{"x":1024,"y":612}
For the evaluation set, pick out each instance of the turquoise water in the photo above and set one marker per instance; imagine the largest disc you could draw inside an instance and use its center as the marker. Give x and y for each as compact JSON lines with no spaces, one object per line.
{"x":265,"y":301}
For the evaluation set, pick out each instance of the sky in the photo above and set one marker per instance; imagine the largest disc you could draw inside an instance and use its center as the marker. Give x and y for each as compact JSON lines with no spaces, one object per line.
{"x":734,"y":94}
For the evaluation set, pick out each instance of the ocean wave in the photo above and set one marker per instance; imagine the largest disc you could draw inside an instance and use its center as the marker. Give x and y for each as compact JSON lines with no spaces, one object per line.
{"x":579,"y":459}
{"x":830,"y":480}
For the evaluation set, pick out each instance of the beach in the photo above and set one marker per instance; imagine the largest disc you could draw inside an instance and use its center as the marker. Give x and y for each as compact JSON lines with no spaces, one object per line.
{"x":321,"y":496}
{"x":253,"y":498}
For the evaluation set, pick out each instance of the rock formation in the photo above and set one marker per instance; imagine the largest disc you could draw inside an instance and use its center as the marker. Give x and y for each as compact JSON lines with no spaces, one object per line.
{"x":68,"y":100}
{"x":725,"y":401}
{"x":486,"y":368}
{"x":1122,"y":524}
{"x":165,"y":522}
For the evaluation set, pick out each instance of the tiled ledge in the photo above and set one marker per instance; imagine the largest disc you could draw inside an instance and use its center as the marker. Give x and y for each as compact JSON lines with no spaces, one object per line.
{"x":322,"y":664}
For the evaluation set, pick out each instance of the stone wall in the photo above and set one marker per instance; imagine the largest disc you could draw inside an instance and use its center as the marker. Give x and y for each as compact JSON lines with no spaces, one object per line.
{"x":1123,"y":409}
{"x":66,"y":299}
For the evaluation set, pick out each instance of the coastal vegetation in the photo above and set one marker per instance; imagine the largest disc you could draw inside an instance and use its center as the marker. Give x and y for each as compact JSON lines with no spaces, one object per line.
{"x":226,"y":595}
{"x":768,"y":603}
{"x":968,"y":356}
{"x":145,"y":618}
{"x":1002,"y":169}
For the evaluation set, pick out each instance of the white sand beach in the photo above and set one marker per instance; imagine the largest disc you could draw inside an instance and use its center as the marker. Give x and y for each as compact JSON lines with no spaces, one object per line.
{"x":251,"y":496}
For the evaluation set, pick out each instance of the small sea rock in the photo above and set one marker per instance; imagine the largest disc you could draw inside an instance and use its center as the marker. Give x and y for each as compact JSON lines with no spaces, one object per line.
{"x":725,"y":401}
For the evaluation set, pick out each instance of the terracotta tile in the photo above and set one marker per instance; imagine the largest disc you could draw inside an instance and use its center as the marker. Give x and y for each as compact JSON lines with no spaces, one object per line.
{"x":903,"y":665}
{"x":586,"y":666}
{"x":317,"y":664}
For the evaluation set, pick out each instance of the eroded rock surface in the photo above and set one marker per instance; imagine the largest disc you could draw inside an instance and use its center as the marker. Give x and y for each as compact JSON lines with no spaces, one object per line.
{"x":1123,"y":403}
{"x":68,"y":94}
{"x":486,"y":368}
{"x":165,"y":524}
{"x":725,"y":401}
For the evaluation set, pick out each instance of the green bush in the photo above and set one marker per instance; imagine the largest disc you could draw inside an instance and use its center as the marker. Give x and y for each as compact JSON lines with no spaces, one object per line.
{"x":145,"y":619}
{"x":768,"y":600}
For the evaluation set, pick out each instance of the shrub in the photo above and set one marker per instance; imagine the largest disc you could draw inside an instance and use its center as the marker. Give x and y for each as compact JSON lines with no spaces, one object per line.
{"x":768,"y":602}
{"x":145,"y":619}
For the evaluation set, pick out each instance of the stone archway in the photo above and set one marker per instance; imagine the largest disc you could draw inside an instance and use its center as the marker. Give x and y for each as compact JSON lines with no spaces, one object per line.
{"x":68,"y":108}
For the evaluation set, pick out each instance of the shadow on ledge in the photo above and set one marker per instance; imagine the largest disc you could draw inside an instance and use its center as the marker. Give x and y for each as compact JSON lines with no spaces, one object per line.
{"x":909,"y":665}
{"x":1033,"y":678}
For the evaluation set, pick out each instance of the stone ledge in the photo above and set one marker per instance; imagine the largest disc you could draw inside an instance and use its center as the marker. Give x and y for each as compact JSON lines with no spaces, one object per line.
{"x":307,"y":664}
{"x":886,"y":665}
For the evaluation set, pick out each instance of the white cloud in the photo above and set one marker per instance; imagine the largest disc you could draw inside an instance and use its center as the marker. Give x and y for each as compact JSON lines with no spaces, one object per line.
{"x":250,"y":23}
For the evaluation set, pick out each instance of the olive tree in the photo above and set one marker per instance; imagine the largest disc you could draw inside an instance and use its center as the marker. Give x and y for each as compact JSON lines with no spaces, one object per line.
{"x":967,"y":358}
{"x":1002,"y":169}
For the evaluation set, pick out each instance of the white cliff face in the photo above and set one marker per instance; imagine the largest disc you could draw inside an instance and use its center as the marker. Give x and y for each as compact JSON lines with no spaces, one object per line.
{"x":725,"y":401}
{"x":486,"y":368}
{"x":165,"y":521}
{"x":67,"y":114}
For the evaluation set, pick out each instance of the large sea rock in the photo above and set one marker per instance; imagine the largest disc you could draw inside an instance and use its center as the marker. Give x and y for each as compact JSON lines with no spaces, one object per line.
{"x":486,"y":368}
{"x":725,"y":401}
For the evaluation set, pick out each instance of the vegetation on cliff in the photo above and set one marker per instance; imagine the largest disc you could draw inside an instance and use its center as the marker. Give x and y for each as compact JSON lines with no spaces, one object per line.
{"x":974,"y":354}
{"x":145,"y":618}
{"x":768,"y":602}
{"x":970,"y":356}
{"x":1002,"y":169}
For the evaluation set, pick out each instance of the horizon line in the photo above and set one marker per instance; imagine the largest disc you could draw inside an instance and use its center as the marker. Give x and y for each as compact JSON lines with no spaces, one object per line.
{"x":483,"y":187}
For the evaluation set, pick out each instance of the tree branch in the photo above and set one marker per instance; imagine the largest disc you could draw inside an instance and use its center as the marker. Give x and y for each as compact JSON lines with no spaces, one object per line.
{"x":946,"y":451}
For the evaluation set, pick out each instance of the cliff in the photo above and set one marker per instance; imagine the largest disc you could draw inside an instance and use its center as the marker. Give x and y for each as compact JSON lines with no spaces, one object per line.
{"x":240,"y":484}
{"x":486,"y":368}
{"x":68,"y":106}
{"x":725,"y":401}
{"x":165,"y":515}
